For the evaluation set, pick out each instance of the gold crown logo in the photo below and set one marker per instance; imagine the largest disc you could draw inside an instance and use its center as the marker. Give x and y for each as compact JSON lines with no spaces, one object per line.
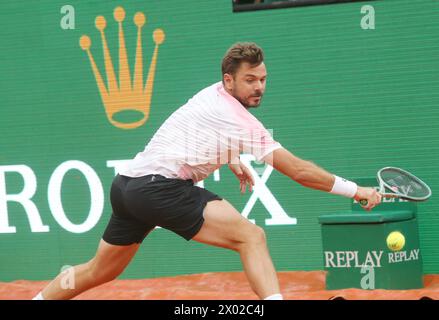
{"x":125,"y":95}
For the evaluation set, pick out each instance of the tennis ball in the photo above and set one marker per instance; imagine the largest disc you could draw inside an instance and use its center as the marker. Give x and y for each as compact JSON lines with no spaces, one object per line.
{"x":395,"y":241}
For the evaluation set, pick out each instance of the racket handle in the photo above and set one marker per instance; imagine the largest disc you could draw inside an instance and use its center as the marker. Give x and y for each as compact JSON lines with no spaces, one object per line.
{"x":363,"y":202}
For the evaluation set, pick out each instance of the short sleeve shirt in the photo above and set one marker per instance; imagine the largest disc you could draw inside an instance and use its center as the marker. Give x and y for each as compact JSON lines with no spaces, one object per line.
{"x":210,"y":130}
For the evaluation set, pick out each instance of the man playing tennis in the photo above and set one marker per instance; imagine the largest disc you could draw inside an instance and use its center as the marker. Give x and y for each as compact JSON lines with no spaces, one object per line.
{"x":157,"y":187}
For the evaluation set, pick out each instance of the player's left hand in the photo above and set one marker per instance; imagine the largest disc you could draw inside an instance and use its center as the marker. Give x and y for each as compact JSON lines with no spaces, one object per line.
{"x":244,"y":175}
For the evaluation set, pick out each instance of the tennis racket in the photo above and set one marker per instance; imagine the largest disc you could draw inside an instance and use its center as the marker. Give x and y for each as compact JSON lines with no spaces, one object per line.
{"x":398,"y":183}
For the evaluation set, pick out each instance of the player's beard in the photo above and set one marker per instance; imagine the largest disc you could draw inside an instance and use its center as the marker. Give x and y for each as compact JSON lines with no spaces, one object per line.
{"x":246,"y":102}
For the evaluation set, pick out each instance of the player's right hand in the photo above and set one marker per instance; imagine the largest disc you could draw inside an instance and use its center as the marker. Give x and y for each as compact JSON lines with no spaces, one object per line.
{"x":372,"y":196}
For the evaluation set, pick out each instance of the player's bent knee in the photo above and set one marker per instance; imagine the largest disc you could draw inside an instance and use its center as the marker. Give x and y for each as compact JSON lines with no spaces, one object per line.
{"x":259,"y":235}
{"x":255,"y":236}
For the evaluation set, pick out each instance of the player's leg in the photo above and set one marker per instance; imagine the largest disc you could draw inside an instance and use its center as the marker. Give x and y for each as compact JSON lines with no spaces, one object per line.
{"x":119,"y":244}
{"x":225,"y":227}
{"x":108,"y":263}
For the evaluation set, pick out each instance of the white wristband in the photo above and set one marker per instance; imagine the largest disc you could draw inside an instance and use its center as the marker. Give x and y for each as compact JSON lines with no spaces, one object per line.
{"x":344,"y":187}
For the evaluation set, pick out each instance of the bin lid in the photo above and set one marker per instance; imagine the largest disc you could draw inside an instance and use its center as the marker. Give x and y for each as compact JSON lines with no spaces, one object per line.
{"x":367,"y":217}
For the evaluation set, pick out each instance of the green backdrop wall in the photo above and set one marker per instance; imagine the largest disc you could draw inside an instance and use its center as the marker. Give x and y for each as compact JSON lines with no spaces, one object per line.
{"x":349,"y":99}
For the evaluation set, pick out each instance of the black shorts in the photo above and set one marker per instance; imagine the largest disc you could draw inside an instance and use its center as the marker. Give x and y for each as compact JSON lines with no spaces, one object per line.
{"x":140,"y":204}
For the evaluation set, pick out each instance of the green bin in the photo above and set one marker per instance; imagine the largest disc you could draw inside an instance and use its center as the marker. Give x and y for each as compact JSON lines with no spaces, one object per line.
{"x":355,"y":251}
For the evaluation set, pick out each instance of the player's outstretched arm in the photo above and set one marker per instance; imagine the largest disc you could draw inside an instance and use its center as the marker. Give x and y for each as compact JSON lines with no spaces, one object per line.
{"x":312,"y":176}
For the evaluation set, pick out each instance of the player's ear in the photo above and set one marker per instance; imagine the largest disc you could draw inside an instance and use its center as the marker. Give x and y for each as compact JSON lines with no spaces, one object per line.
{"x":228,"y":81}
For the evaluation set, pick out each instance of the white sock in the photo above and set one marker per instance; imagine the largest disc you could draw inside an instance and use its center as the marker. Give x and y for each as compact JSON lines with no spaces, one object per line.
{"x":276,"y":296}
{"x":39,"y":296}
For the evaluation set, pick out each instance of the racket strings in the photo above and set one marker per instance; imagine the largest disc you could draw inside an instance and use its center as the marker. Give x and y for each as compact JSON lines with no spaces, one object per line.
{"x":404,"y":184}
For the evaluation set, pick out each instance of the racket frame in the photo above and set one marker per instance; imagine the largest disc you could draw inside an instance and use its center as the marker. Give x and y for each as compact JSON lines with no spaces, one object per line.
{"x":394,"y":194}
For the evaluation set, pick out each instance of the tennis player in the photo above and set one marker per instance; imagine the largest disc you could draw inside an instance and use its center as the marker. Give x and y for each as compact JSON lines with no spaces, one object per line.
{"x":157,"y":187}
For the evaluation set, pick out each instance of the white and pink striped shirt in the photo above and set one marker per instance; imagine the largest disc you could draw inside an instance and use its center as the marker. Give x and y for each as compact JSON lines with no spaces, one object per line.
{"x":210,"y":130}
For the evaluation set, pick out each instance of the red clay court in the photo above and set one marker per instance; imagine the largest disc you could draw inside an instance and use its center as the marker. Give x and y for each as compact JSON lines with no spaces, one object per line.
{"x":298,"y":285}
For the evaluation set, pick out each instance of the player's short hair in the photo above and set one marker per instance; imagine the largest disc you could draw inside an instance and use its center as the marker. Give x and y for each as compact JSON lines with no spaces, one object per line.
{"x":241,"y":52}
